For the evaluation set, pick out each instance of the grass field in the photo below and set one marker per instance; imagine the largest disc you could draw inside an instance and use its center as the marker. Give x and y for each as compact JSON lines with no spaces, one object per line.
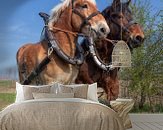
{"x":7,"y":93}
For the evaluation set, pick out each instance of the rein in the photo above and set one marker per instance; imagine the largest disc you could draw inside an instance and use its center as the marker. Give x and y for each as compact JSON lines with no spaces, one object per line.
{"x":66,"y":31}
{"x":92,"y":49}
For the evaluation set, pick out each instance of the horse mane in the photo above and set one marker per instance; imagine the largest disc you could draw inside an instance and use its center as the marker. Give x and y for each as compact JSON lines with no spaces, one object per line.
{"x":57,"y":10}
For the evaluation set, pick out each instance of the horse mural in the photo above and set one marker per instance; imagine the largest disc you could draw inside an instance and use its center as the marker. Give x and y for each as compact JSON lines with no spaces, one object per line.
{"x":122,"y":27}
{"x":58,"y":50}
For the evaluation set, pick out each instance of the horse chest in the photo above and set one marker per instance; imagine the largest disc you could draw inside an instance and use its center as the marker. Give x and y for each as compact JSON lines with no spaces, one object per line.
{"x":63,"y":73}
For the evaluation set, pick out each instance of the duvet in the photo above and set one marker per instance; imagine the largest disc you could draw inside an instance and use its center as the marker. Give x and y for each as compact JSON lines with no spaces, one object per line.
{"x":59,"y":114}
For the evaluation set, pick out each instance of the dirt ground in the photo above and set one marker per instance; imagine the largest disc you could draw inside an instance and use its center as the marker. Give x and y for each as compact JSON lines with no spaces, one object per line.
{"x":7,"y":90}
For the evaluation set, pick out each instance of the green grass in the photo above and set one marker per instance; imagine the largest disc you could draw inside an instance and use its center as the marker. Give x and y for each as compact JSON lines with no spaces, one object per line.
{"x":6,"y":99}
{"x":7,"y":93}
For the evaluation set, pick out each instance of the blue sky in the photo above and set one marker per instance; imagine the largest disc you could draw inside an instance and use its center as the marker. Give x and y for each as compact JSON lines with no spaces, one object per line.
{"x":20,"y":23}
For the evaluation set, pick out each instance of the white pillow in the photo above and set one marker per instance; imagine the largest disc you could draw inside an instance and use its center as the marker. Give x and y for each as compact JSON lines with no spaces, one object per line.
{"x":24,"y":92}
{"x":92,"y":92}
{"x":19,"y":92}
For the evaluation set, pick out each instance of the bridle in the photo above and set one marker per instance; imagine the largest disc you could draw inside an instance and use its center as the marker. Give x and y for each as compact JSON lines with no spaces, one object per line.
{"x":125,"y":28}
{"x":85,"y":21}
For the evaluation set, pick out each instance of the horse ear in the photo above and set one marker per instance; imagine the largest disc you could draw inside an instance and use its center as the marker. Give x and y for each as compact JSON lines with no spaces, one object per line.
{"x":106,"y":12}
{"x":116,"y":3}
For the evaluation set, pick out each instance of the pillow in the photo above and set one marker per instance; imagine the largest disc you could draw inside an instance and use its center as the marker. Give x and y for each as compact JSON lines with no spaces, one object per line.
{"x":28,"y":90}
{"x":24,"y":92}
{"x":57,"y":88}
{"x":80,"y":90}
{"x":19,"y":92}
{"x":92,"y":92}
{"x":52,"y":95}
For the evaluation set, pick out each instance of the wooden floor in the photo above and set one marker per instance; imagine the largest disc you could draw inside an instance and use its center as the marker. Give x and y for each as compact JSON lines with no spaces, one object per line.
{"x":147,"y":121}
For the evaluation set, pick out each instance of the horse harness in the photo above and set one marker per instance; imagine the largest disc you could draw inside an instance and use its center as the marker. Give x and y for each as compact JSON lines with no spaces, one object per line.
{"x":53,"y":46}
{"x":93,"y":51}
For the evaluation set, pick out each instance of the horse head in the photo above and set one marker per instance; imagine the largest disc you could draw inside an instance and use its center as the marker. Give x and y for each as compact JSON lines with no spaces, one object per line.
{"x":121,"y":23}
{"x":81,"y":16}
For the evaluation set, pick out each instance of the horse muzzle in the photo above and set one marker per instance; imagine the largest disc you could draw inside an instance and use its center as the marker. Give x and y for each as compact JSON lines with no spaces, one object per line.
{"x":100,"y":30}
{"x":136,"y":41}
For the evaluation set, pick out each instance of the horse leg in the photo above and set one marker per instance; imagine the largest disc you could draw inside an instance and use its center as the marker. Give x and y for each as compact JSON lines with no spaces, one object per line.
{"x":25,"y":61}
{"x":21,"y":65}
{"x":112,"y":87}
{"x":22,"y":72}
{"x":83,"y":76}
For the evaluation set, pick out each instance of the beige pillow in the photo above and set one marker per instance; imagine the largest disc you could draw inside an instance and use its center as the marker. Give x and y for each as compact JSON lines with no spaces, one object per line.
{"x":86,"y":91}
{"x":79,"y":90}
{"x":29,"y":90}
{"x":52,"y":95}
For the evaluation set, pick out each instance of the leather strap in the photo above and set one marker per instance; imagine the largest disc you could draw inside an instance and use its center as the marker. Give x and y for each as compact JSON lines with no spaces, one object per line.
{"x":36,"y":71}
{"x":85,"y":20}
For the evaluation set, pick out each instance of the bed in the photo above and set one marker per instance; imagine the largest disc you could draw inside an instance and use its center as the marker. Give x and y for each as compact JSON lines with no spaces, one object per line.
{"x":59,"y":114}
{"x":58,"y":107}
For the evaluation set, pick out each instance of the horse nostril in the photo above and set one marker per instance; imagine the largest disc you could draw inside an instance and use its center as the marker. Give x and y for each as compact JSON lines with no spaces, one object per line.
{"x":103,"y":30}
{"x":139,"y":38}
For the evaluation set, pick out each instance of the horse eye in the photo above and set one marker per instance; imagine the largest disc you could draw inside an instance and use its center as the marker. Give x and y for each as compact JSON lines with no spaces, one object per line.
{"x":114,"y":15}
{"x":84,"y":6}
{"x":117,"y":16}
{"x":120,"y":16}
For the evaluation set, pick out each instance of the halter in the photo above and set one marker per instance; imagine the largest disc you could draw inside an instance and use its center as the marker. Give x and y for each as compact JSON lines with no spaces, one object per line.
{"x":85,"y":20}
{"x":124,"y":28}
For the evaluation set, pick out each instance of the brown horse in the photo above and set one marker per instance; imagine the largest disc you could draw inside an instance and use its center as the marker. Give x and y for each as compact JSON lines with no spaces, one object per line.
{"x":67,"y":20}
{"x":120,"y":21}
